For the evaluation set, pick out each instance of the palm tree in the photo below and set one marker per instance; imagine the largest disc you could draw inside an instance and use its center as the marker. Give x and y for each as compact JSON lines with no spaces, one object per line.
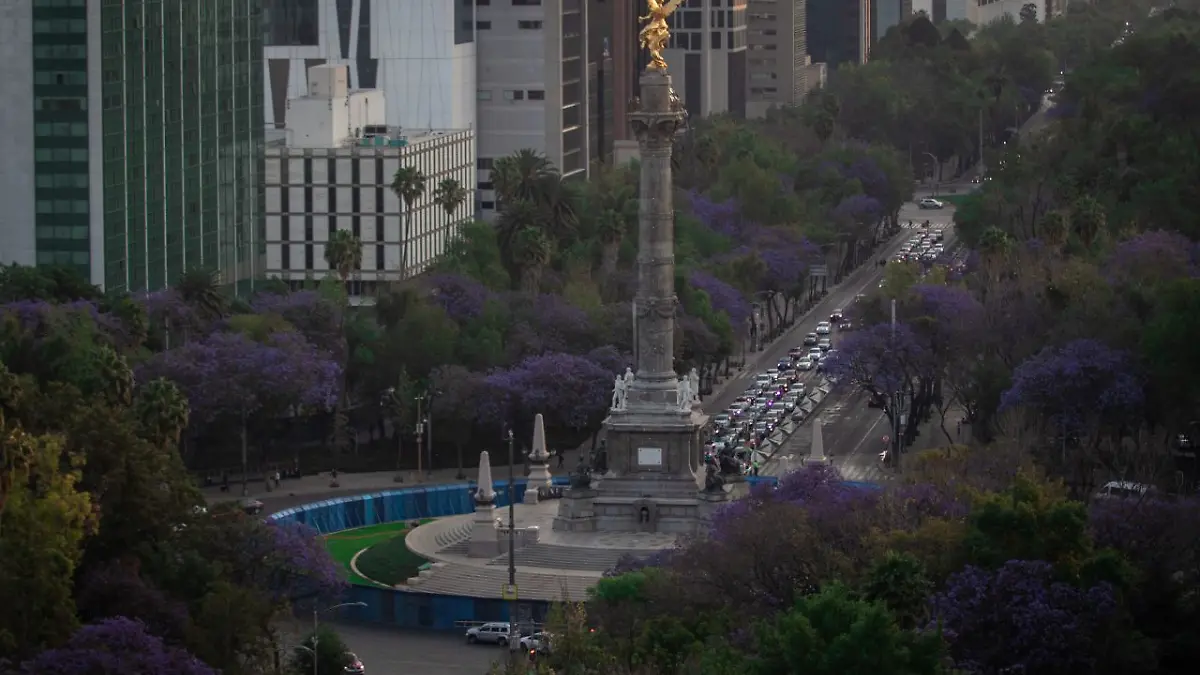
{"x":199,"y":288}
{"x":162,"y":411}
{"x":450,"y":194}
{"x":557,"y":198}
{"x":518,"y":176}
{"x":1087,"y":215}
{"x":516,"y":216}
{"x":611,"y":228}
{"x":343,"y":254}
{"x":531,"y":254}
{"x":409,"y":185}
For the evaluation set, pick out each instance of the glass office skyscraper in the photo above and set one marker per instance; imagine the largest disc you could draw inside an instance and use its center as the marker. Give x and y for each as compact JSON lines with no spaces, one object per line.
{"x":146,"y":138}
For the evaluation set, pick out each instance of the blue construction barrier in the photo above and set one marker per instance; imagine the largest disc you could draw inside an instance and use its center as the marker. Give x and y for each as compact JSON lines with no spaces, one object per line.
{"x":405,"y":609}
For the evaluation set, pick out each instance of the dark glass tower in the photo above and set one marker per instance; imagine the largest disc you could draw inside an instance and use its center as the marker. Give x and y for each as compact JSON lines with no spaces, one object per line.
{"x":182,"y":91}
{"x":60,"y":133}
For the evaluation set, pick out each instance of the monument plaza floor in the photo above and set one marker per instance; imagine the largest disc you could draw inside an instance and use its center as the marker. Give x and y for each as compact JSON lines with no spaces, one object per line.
{"x":560,"y":566}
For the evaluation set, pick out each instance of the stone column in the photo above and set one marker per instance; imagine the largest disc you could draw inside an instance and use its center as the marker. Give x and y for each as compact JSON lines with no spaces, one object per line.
{"x":655,"y":120}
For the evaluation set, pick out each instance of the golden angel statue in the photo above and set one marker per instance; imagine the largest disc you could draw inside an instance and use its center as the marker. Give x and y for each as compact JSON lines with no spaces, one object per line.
{"x":656,"y":33}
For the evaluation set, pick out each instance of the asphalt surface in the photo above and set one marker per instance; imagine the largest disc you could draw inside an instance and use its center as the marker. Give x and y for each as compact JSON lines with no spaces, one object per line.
{"x":841,"y":297}
{"x":851,"y":431}
{"x":387,"y":651}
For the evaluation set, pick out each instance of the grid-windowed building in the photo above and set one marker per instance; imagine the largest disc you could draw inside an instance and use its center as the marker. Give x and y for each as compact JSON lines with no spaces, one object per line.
{"x":707,"y":56}
{"x":331,"y":170}
{"x":777,"y":55}
{"x":133,"y":138}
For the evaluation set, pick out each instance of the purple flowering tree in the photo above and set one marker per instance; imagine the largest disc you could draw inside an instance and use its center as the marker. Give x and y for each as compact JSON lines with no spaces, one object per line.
{"x":570,"y":391}
{"x":1018,"y":619}
{"x":229,"y":377}
{"x":610,"y":359}
{"x":1083,"y":391}
{"x":948,"y":320}
{"x":117,"y":646}
{"x":547,"y":323}
{"x":1151,"y":259}
{"x":721,"y":217}
{"x":722,"y":297}
{"x":1161,"y":537}
{"x":462,"y":297}
{"x":316,"y":317}
{"x":171,"y":319}
{"x":117,"y":589}
{"x":882,"y":361}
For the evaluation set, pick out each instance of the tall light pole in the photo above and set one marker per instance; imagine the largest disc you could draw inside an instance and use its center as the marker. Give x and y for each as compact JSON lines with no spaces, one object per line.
{"x":316,"y":626}
{"x":512,"y":546}
{"x":420,"y":431}
{"x":429,"y":396}
{"x":896,"y":404}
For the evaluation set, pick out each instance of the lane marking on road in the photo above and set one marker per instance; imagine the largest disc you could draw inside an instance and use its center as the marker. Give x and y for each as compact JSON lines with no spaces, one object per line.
{"x":867,"y":435}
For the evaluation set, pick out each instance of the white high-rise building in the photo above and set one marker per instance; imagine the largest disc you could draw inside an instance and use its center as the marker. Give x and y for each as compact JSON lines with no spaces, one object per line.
{"x":420,"y":53}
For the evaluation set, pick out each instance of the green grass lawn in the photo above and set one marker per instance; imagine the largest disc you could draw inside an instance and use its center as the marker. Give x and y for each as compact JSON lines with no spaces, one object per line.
{"x":392,"y":553}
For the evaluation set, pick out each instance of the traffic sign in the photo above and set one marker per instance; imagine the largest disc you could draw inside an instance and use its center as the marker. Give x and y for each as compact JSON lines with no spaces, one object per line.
{"x":509,"y":592}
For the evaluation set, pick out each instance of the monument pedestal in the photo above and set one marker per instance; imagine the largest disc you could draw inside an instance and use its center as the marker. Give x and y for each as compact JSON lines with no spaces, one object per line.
{"x":653,"y":484}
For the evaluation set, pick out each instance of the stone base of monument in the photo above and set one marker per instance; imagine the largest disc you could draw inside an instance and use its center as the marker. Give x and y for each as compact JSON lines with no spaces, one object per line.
{"x":654,"y":485}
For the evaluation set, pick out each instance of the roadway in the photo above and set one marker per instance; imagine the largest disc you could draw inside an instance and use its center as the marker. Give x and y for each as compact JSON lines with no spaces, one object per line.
{"x":851,"y":431}
{"x":390,"y":651}
{"x":860,"y":281}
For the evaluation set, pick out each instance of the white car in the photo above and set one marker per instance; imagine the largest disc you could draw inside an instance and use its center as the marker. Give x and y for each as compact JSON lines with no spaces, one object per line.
{"x":538,"y":642}
{"x":929,"y":203}
{"x":804,"y":364}
{"x":823,"y":328}
{"x":815,"y":354}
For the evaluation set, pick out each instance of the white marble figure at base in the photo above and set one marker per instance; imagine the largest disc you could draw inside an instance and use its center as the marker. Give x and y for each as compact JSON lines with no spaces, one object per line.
{"x":621,"y":387}
{"x":683,"y":393}
{"x":694,"y":387}
{"x":619,"y":393}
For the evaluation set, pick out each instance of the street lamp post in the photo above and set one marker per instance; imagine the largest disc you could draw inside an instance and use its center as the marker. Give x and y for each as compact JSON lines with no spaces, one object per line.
{"x":429,"y":396}
{"x":316,"y":626}
{"x":420,"y":431}
{"x":392,"y":402}
{"x":934,"y":170}
{"x":512,"y":543}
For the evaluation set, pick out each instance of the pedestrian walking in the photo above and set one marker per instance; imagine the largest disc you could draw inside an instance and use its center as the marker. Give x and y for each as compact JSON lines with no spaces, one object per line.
{"x":958,"y":429}
{"x":562,"y":459}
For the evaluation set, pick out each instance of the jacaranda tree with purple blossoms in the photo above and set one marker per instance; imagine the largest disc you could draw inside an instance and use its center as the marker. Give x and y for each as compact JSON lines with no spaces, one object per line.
{"x":1088,"y":392}
{"x":572,"y":392}
{"x":228,"y":376}
{"x":1019,"y":618}
{"x":117,"y":646}
{"x":883,"y":361}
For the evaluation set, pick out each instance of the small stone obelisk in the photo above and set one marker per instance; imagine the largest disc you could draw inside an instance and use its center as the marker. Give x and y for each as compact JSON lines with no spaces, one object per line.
{"x":485,"y":538}
{"x":539,"y":462}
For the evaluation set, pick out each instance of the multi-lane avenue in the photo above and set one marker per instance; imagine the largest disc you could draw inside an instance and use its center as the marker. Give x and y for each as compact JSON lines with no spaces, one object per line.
{"x":852,"y":431}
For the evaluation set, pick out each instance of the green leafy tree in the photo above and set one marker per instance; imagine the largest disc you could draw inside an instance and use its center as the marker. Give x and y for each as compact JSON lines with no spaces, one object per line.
{"x":899,"y":582}
{"x":329,"y":651}
{"x":830,"y":633}
{"x":44,"y":518}
{"x":343,"y":254}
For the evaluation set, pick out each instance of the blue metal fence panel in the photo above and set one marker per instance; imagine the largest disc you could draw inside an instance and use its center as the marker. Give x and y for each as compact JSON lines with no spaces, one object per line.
{"x":405,"y":609}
